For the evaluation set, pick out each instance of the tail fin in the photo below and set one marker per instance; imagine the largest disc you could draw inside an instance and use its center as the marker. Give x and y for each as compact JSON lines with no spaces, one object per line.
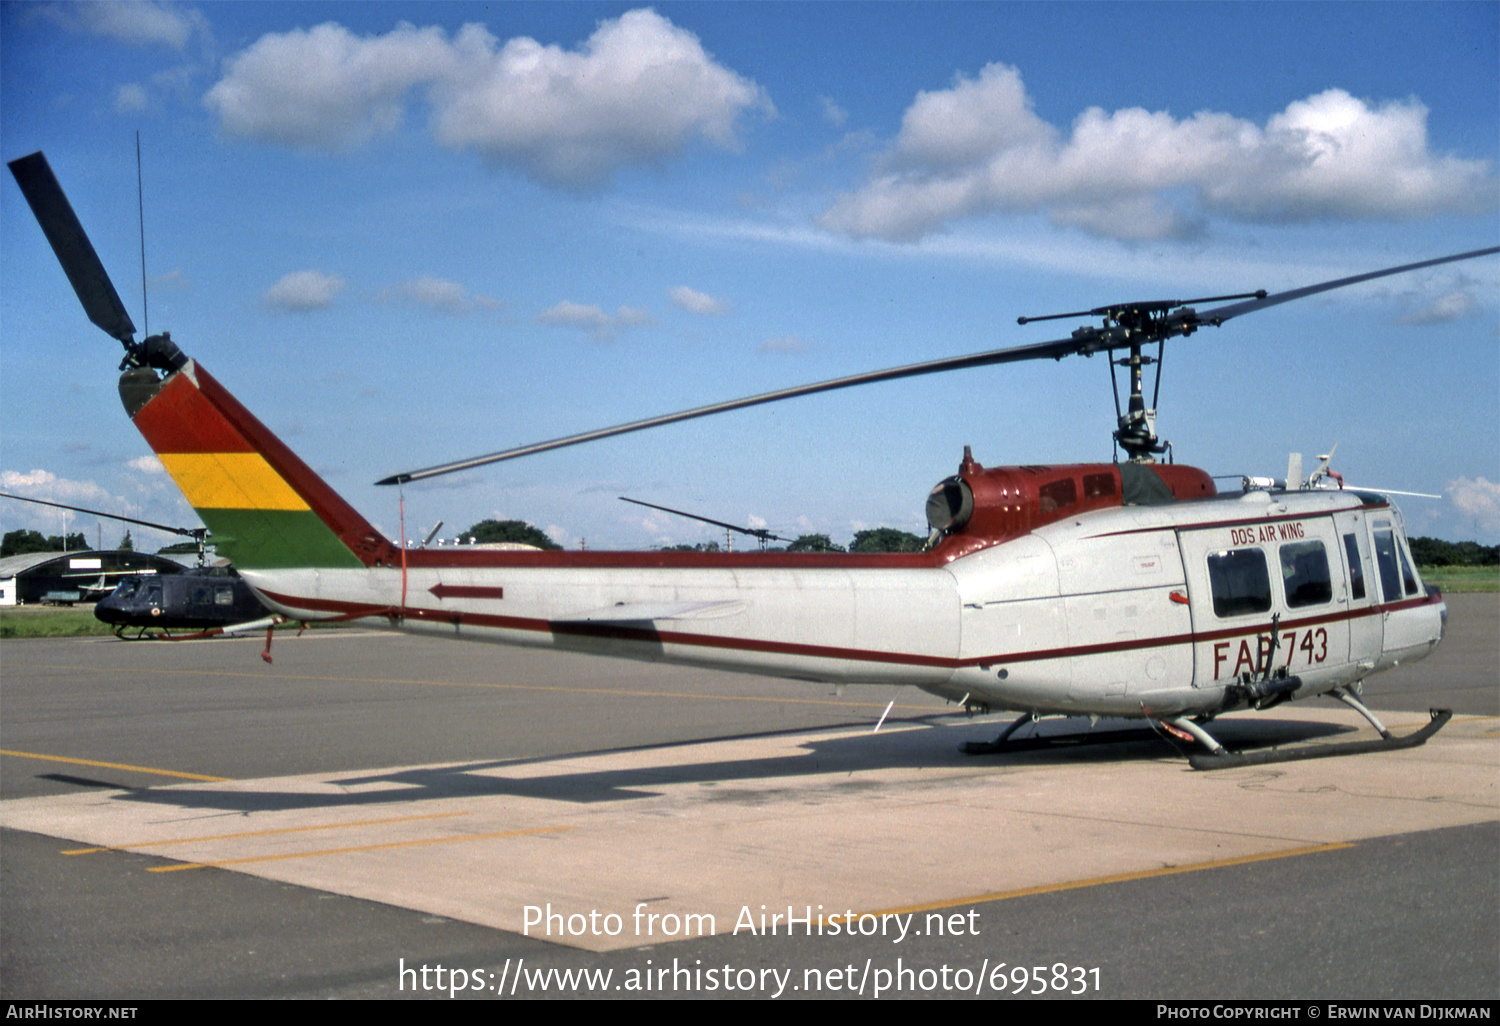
{"x":264,"y":507}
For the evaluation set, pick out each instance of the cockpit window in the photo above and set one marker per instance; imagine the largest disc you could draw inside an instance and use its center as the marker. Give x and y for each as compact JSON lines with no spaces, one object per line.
{"x":1356,"y":566}
{"x":1408,"y":575}
{"x":1386,"y":561}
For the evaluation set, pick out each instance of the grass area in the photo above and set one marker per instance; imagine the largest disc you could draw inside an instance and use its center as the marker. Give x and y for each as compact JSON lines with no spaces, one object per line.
{"x":1462,"y":578}
{"x":50,"y":622}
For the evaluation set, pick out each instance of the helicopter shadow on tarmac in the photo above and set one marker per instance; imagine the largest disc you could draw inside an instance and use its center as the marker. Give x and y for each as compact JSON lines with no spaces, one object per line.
{"x":839,"y":756}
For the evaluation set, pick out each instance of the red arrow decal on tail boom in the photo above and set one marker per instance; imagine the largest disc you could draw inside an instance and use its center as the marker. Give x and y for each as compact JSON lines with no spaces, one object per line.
{"x":443,"y":591}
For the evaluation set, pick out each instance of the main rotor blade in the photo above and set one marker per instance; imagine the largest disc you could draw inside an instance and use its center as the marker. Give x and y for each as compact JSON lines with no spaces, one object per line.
{"x":754,"y":532}
{"x":1224,"y":313}
{"x":1055,"y":350}
{"x":1085,"y":342}
{"x":71,"y":244}
{"x":189,"y":532}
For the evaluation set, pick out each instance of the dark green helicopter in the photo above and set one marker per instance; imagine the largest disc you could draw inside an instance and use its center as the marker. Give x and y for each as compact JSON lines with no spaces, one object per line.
{"x":201,"y":601}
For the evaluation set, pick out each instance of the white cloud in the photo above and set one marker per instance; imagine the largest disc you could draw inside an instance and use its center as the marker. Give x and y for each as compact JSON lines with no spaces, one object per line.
{"x":832,"y":112}
{"x":979,"y":147}
{"x":1479,"y":500}
{"x":785,"y":344}
{"x":592,"y":319}
{"x":172,"y":281}
{"x":632,"y":95}
{"x":574,"y":315}
{"x":131,"y":98}
{"x":147,"y":465}
{"x":303,"y":291}
{"x":439,"y":294}
{"x":325,"y":88}
{"x":43,"y":484}
{"x":696,"y":302}
{"x":1450,"y":306}
{"x":135,"y":22}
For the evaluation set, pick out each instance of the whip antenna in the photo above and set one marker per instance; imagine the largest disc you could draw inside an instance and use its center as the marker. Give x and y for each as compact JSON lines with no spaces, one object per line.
{"x":140,"y":200}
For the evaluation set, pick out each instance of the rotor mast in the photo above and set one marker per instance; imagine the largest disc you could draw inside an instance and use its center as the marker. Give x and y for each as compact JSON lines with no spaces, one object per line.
{"x":1131,"y":326}
{"x":1136,"y":433}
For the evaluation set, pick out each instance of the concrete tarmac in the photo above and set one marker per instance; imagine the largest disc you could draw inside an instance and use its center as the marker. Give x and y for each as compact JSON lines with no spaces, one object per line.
{"x":184,"y":820}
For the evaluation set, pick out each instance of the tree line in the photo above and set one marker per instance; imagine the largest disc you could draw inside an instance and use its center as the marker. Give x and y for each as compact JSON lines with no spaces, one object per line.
{"x":1436,"y":552}
{"x":16,"y":543}
{"x":878,"y":539}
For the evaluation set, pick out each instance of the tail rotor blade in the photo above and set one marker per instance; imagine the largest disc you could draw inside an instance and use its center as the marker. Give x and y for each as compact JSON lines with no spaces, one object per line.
{"x":71,"y":244}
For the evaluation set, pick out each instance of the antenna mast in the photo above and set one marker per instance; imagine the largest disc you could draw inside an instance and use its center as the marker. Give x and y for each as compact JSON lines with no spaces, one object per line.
{"x":140,"y":199}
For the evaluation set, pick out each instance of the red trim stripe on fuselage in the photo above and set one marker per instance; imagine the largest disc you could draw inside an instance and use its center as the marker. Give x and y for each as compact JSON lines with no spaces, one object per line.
{"x":349,"y":610}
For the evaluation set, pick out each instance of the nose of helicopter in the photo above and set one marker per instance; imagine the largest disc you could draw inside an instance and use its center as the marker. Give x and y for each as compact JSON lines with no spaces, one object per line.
{"x":109,"y":609}
{"x":1442,"y":611}
{"x":115,"y":607}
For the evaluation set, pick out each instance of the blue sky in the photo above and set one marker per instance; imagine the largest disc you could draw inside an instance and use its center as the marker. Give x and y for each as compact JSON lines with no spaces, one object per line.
{"x":405,"y":233}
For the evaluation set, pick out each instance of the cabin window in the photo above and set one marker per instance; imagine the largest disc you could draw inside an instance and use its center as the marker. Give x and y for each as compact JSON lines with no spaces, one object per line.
{"x":1304,"y":574}
{"x":1097,"y":486}
{"x":1356,"y":566}
{"x":1385,"y":561}
{"x":200,"y":596}
{"x":223,"y":596}
{"x":1241,"y":584}
{"x":1058,"y":495}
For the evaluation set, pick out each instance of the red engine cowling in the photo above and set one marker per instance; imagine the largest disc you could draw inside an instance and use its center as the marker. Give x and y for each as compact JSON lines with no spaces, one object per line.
{"x":981,"y":506}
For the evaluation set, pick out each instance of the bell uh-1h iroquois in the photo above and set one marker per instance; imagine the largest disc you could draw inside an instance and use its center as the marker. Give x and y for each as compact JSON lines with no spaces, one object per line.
{"x":1115,"y":589}
{"x":204,"y":600}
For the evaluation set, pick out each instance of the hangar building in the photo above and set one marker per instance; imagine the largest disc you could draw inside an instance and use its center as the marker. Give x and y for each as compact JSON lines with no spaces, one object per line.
{"x":33,"y":577}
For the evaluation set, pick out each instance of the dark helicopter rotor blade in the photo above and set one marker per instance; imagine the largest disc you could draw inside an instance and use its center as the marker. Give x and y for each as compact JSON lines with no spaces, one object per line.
{"x":71,"y":244}
{"x":188,"y":532}
{"x":754,"y":532}
{"x":1221,"y":314}
{"x":1085,"y":341}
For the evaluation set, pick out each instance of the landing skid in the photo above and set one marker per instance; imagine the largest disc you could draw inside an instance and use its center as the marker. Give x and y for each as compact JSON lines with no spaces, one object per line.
{"x":1388,"y":742}
{"x":1217,"y":756}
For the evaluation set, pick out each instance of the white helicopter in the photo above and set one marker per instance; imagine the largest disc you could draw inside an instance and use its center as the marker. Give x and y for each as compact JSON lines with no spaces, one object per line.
{"x":1116,"y":589}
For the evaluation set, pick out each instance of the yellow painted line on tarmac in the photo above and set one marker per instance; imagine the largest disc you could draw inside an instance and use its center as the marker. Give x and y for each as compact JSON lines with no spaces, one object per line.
{"x":116,"y":765}
{"x":1097,"y":881}
{"x":261,"y":833}
{"x":363,"y":847}
{"x":612,"y":692}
